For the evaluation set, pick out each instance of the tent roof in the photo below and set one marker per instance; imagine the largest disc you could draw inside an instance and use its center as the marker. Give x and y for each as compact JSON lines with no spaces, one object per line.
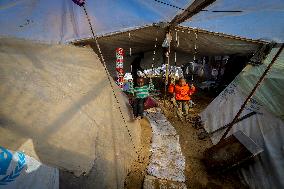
{"x":143,"y":39}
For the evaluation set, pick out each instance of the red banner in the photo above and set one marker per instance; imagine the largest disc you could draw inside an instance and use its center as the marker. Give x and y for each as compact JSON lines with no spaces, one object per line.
{"x":119,"y":66}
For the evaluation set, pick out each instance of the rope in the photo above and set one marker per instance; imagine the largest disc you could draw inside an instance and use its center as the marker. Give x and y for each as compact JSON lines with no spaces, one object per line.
{"x":195,"y":53}
{"x":170,"y":5}
{"x":204,"y":10}
{"x":154,"y":54}
{"x":109,"y":79}
{"x":238,"y":120}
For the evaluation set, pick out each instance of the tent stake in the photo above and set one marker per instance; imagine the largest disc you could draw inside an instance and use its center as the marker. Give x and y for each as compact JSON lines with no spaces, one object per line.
{"x":252,"y":92}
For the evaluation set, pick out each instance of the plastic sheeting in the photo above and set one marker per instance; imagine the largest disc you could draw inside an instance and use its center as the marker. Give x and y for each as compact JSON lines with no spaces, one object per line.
{"x":151,"y":182}
{"x":167,"y":161}
{"x":24,"y":172}
{"x":258,"y":19}
{"x":265,"y":128}
{"x":63,"y":21}
{"x":58,"y":97}
{"x":270,"y":91}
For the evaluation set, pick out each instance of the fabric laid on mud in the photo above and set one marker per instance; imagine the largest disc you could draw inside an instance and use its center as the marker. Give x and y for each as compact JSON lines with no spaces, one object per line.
{"x":58,"y":96}
{"x":167,"y":161}
{"x":151,"y":182}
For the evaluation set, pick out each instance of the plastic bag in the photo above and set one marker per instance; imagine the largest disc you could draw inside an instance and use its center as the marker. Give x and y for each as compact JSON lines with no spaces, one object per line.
{"x":150,"y":103}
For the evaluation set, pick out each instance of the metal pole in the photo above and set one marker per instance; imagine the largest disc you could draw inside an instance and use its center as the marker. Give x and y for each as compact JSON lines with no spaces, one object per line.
{"x":252,"y":92}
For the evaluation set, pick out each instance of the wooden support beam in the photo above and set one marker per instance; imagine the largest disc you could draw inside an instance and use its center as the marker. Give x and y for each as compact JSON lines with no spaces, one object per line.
{"x":193,"y":9}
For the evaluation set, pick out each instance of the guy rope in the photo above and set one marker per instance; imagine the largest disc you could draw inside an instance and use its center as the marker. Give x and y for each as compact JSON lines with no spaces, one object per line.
{"x":82,"y":4}
{"x":251,"y":93}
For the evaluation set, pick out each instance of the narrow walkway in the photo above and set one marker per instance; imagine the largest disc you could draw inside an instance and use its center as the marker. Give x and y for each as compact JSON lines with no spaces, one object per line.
{"x":167,"y":164}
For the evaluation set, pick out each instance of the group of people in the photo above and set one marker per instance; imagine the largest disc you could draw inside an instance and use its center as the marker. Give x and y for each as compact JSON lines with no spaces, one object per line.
{"x":180,"y":95}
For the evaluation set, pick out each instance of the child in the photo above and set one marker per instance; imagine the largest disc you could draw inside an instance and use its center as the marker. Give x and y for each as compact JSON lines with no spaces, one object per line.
{"x":141,"y":92}
{"x":182,"y":93}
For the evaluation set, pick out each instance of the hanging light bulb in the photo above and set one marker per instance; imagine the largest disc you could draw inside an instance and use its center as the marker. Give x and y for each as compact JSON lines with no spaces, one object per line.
{"x":129,"y":36}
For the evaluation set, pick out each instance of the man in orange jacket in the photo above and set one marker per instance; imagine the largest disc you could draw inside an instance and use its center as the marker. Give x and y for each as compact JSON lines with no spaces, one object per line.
{"x":182,"y":93}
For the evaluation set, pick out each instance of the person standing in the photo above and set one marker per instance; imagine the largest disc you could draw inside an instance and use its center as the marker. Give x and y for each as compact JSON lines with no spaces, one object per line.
{"x":141,"y":93}
{"x":182,"y":92}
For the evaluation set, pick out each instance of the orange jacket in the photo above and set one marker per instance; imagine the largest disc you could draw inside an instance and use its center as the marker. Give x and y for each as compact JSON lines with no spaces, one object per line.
{"x":183,"y":92}
{"x":171,"y":88}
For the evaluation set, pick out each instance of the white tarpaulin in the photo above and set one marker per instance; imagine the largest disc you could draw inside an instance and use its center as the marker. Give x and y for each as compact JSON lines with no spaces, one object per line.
{"x":62,"y":21}
{"x":58,"y":106}
{"x":266,"y":128}
{"x":256,"y":19}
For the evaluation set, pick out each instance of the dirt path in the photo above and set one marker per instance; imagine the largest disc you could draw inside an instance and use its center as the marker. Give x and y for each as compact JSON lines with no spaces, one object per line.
{"x":193,"y":148}
{"x":136,"y":176}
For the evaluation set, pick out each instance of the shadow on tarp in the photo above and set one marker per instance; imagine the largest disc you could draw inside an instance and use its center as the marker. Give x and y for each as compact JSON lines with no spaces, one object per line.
{"x":40,"y":138}
{"x":57,"y":106}
{"x":17,"y":134}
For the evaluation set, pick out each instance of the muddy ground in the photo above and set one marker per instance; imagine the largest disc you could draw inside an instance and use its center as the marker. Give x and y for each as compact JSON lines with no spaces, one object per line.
{"x":192,"y":148}
{"x":135,"y":178}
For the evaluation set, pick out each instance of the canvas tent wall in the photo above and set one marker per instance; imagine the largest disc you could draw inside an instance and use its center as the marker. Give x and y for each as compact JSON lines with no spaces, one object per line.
{"x":266,"y":128}
{"x":57,"y":105}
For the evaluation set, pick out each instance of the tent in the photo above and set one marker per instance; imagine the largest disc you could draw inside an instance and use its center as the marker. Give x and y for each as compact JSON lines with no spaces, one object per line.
{"x":64,"y":22}
{"x":52,"y":22}
{"x":58,"y":107}
{"x":265,"y":128}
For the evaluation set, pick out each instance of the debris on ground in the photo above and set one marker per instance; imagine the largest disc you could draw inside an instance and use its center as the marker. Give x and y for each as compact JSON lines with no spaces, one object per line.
{"x":194,"y":141}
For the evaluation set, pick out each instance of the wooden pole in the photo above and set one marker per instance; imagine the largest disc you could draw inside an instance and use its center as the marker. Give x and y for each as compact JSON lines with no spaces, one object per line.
{"x":166,"y":76}
{"x":167,"y":67}
{"x":252,"y":92}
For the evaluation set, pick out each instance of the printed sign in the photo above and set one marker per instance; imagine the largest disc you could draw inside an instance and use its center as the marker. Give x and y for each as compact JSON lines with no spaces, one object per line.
{"x":6,"y":158}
